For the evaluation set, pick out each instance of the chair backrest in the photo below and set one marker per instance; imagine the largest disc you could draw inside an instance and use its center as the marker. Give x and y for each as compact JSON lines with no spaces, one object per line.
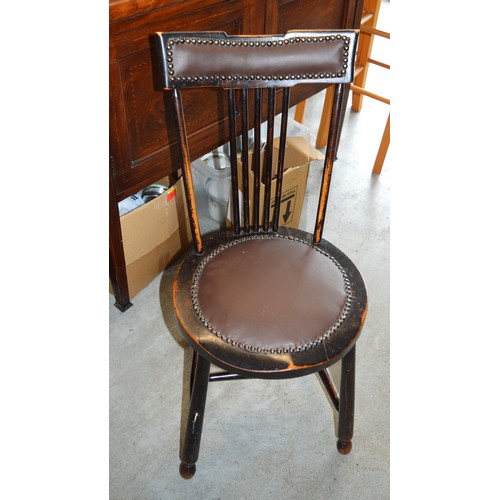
{"x":258,"y":65}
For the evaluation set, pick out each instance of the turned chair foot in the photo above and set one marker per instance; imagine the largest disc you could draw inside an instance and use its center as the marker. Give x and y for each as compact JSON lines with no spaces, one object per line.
{"x":187,"y":470}
{"x":344,"y":447}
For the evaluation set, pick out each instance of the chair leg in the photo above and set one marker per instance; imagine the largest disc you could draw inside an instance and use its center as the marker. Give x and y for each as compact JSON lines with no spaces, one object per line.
{"x":384,"y":146}
{"x":300,"y":110}
{"x":346,"y":406}
{"x":322,"y":137}
{"x":191,"y":446}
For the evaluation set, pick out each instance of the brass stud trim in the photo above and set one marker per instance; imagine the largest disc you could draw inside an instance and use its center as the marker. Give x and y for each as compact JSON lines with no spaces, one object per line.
{"x":171,"y":43}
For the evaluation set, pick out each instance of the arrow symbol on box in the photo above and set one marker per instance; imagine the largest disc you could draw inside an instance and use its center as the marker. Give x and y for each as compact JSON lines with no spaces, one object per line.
{"x":288,"y":211}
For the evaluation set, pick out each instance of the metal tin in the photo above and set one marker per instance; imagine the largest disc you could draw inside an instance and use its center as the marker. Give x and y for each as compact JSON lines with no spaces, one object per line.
{"x":151,"y":192}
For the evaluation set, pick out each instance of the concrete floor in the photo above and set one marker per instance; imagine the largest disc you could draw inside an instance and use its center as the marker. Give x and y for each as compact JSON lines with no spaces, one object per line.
{"x":264,"y":439}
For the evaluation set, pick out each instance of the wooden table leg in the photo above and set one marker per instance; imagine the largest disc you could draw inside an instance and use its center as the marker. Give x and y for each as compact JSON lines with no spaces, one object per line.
{"x":117,"y":268}
{"x":300,"y":110}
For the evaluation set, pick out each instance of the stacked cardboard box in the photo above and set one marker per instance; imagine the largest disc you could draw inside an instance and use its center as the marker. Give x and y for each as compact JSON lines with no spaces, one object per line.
{"x":154,"y":235}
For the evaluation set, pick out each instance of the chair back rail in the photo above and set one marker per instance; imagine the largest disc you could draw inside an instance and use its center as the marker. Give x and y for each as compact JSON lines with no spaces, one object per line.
{"x":254,"y":66}
{"x":281,"y":156}
{"x":271,"y":102}
{"x":256,"y":158}
{"x":183,"y":60}
{"x":234,"y":165}
{"x":244,"y":159}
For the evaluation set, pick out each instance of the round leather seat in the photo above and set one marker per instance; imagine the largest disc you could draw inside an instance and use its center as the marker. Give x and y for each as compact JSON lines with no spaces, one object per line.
{"x":271,"y":294}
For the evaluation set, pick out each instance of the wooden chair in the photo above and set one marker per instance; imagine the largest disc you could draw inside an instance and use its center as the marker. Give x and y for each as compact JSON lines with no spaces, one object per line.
{"x":368,"y":29}
{"x":262,"y":301}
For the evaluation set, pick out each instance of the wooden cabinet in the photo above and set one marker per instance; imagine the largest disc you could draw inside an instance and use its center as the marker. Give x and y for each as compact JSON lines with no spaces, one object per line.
{"x":142,"y":148}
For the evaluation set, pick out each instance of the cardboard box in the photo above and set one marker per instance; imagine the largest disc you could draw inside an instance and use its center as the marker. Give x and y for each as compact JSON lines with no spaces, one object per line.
{"x":154,"y":235}
{"x":298,"y":155}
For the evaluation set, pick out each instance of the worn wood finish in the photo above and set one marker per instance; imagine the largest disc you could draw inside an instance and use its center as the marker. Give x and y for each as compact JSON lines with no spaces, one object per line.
{"x":143,"y":148}
{"x":275,"y":366}
{"x":215,"y":377}
{"x":185,"y":163}
{"x":331,"y":151}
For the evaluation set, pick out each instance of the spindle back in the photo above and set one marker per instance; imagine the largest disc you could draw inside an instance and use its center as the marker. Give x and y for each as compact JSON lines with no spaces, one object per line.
{"x":254,"y":69}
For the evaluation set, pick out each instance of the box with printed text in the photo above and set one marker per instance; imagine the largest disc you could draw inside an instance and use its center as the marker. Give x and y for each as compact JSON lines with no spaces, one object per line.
{"x":298,"y":155}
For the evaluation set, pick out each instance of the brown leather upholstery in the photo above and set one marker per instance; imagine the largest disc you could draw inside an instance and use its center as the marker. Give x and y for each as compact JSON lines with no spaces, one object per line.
{"x":271,"y":293}
{"x":196,"y":59}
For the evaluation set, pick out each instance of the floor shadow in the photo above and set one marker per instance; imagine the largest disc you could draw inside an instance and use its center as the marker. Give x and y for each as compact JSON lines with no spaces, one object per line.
{"x":166,"y":302}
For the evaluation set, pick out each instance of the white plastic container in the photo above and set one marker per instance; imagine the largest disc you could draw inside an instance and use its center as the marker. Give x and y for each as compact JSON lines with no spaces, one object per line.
{"x":213,"y":172}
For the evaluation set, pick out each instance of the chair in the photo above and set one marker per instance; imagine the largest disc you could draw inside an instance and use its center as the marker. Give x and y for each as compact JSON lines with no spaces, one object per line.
{"x":368,"y":29}
{"x":262,"y":301}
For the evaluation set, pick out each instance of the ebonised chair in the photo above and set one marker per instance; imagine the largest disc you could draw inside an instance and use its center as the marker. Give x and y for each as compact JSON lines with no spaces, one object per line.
{"x":262,"y":301}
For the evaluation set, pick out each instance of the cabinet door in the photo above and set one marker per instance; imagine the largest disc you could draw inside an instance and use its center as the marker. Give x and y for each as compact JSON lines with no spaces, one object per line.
{"x":142,"y":146}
